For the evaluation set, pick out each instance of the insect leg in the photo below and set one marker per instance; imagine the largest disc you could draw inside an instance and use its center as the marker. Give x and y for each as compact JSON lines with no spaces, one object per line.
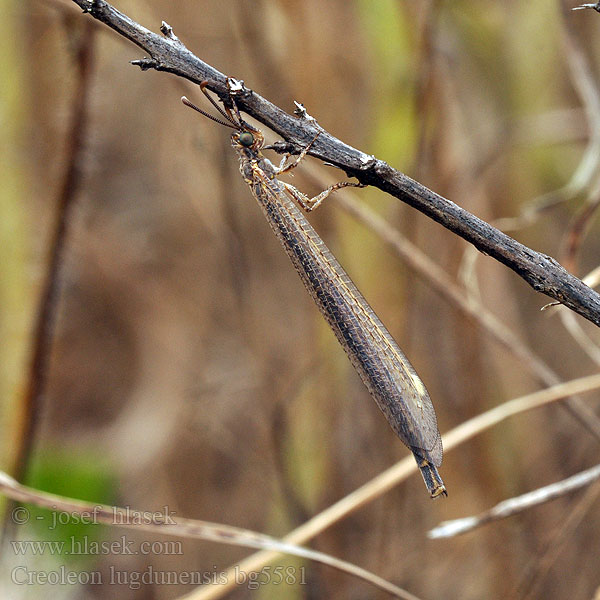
{"x":309,"y":204}
{"x":283,"y":168}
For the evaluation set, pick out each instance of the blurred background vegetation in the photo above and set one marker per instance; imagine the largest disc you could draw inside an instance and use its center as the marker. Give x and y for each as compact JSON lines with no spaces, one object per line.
{"x":188,"y":366}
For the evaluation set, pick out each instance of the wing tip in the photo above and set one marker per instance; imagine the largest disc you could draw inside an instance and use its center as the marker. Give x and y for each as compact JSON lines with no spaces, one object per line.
{"x":431,"y":477}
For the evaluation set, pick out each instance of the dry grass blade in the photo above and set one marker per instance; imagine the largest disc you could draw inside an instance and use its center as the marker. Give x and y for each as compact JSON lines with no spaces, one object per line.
{"x":593,"y":277}
{"x":166,"y":524}
{"x":397,"y":473}
{"x":595,"y":7}
{"x":579,"y":335}
{"x":512,"y":506}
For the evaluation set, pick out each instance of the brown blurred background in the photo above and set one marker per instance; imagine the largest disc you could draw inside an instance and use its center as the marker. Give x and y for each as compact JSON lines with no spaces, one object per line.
{"x":189,"y":367}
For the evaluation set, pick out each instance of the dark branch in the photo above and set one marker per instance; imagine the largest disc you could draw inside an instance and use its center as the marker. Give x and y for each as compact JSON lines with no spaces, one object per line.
{"x":542,"y":272}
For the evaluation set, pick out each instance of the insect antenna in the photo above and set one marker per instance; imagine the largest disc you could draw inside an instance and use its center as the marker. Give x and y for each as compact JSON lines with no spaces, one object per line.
{"x":228,"y":123}
{"x":233,"y":118}
{"x":225,"y":113}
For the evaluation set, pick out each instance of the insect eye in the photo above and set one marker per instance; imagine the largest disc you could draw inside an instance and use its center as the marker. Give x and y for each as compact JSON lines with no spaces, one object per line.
{"x":246,"y":139}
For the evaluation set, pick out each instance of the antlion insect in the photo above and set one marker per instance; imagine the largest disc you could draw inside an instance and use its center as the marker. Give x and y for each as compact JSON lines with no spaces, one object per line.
{"x":382,"y":366}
